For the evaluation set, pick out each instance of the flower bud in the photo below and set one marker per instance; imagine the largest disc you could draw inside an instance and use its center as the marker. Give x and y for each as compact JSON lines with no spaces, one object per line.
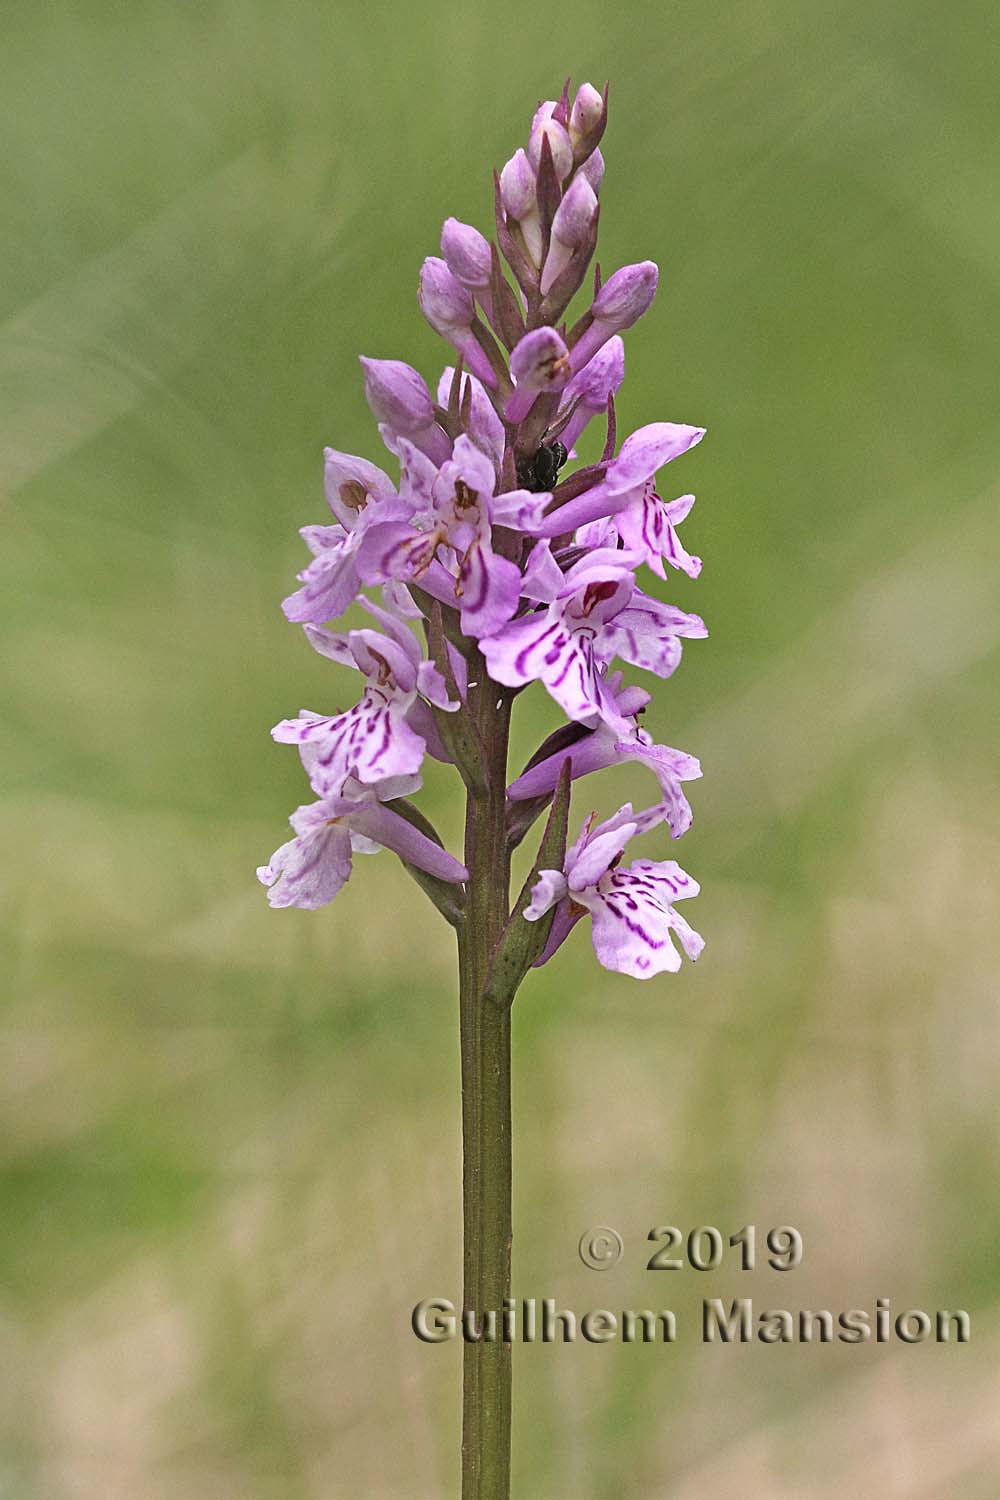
{"x":622,"y":300}
{"x":467,"y":253}
{"x":483,"y":425}
{"x":570,"y":228}
{"x":517,"y":186}
{"x":444,"y":302}
{"x":588,"y":108}
{"x":400,"y":399}
{"x":593,"y":169}
{"x":539,"y":362}
{"x":626,"y":295}
{"x":591,"y":388}
{"x":397,"y":394}
{"x":560,"y":144}
{"x":448,"y":308}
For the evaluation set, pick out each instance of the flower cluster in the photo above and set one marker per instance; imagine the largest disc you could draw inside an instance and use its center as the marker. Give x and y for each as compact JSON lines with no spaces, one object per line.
{"x":506,"y":567}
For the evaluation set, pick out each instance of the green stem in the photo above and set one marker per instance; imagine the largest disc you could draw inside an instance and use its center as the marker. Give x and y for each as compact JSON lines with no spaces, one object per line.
{"x":486,"y":1145}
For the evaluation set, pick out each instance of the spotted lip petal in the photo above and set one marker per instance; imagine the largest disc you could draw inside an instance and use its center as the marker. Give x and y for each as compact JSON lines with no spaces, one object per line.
{"x":632,"y":918}
{"x":309,"y":870}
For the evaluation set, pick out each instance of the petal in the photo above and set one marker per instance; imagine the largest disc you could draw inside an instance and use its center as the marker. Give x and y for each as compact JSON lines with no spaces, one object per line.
{"x":549,"y":888}
{"x":350,"y":483}
{"x":514,"y":655}
{"x":395,"y":550}
{"x":491,"y":588}
{"x":597,"y":855}
{"x":373,"y":652}
{"x":395,"y":628}
{"x":543,"y":578}
{"x":432,"y":686}
{"x":633,"y":918}
{"x":522,"y":510}
{"x":647,"y":634}
{"x":647,"y":450}
{"x":472,"y":466}
{"x":670,"y":767}
{"x":331,"y":584}
{"x":645,"y":526}
{"x":309,"y":870}
{"x":332,"y":644}
{"x":321,"y":538}
{"x":370,"y":742}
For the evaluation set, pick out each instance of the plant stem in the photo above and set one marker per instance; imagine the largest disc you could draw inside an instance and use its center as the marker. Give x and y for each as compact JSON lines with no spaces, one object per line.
{"x":486,"y":1145}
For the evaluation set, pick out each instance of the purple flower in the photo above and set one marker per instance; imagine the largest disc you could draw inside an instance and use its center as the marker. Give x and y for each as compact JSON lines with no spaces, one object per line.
{"x":376,"y":739}
{"x":456,"y":520}
{"x":310,"y":869}
{"x":593,"y":169}
{"x":595,"y":612}
{"x":631,"y":909}
{"x":628,"y":484}
{"x":357,"y":491}
{"x":509,"y":585}
{"x":586,"y":114}
{"x":645,"y":523}
{"x":518,"y":187}
{"x":606,"y":746}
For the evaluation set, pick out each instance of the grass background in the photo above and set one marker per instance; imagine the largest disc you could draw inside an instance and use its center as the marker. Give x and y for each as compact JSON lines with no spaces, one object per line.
{"x":230,"y":1136}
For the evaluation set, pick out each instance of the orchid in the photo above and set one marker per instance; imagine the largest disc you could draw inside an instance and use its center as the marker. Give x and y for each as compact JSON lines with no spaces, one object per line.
{"x":631,"y":909}
{"x":498,"y":571}
{"x":310,"y":869}
{"x":594,"y":612}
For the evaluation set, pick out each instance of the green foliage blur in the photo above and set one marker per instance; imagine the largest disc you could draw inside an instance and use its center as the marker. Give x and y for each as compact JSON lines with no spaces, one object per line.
{"x":230,"y":1157}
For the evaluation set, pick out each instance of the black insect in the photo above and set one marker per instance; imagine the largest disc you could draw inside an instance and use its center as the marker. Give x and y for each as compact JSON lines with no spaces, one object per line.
{"x":539,"y":472}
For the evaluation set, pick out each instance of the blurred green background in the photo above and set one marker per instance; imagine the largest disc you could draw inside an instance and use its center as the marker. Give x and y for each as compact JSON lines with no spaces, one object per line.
{"x":230,"y":1135}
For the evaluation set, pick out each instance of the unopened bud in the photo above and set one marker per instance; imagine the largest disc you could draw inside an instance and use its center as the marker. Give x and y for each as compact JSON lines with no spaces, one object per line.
{"x":539,"y":362}
{"x":622,"y":300}
{"x":626,"y":295}
{"x":588,"y":108}
{"x":444,"y":302}
{"x":466,"y":252}
{"x":517,"y":187}
{"x":570,"y":228}
{"x":399,"y":398}
{"x":448,"y":308}
{"x":544,"y":126}
{"x":482,"y":424}
{"x":397,"y":394}
{"x":587,"y":393}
